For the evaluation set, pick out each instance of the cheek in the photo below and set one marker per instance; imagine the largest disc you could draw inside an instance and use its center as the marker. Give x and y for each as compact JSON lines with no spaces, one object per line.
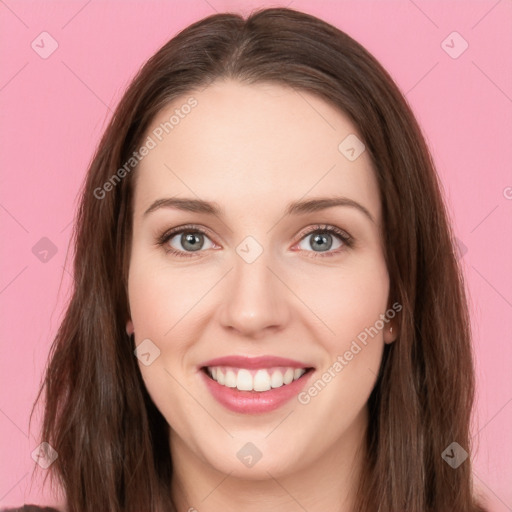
{"x":348,"y":302}
{"x":159,"y":302}
{"x":159,"y":296}
{"x":164,"y":304}
{"x":352,"y":308}
{"x":169,"y":391}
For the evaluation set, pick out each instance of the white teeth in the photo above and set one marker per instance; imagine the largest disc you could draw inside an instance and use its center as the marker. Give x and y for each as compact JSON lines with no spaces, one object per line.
{"x":230,"y":380}
{"x":244,"y":380}
{"x":262,"y":381}
{"x":277,"y":380}
{"x":297,"y":373}
{"x":257,"y":380}
{"x":288,"y":376}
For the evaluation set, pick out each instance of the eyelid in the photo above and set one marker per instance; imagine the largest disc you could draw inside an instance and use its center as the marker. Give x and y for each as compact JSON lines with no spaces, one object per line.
{"x":346,"y":239}
{"x":329,"y":228}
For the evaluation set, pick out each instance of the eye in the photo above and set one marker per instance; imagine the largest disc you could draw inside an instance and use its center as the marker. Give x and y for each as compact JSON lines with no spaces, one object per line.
{"x":188,"y":239}
{"x":321,"y":238}
{"x":184,"y":241}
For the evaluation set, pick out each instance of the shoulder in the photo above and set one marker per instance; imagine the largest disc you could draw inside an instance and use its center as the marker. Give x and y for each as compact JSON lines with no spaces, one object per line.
{"x":30,"y":508}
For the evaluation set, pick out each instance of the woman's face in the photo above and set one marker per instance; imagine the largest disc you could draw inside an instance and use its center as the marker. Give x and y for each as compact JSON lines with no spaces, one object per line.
{"x":264,"y":280}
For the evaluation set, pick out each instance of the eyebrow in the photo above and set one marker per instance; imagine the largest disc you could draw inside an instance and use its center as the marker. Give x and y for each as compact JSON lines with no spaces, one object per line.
{"x":295,"y":208}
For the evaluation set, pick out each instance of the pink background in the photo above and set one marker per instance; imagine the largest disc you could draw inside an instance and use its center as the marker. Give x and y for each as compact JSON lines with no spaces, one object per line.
{"x":54,"y":110}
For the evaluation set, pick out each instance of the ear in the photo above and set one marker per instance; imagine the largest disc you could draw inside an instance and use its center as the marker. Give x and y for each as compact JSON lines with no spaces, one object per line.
{"x":390,"y":332}
{"x":129,"y":328}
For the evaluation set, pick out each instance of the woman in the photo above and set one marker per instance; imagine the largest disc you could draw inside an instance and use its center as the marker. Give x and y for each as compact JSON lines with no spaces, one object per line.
{"x":267,"y":309}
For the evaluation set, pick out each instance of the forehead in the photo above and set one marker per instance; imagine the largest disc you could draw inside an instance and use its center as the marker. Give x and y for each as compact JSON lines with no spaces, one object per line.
{"x":254,"y":145}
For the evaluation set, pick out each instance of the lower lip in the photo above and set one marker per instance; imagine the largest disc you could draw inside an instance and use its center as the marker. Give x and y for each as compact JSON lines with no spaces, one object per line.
{"x":255,"y":402}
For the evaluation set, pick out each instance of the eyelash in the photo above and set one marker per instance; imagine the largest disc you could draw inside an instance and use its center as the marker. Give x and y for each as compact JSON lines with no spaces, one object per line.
{"x":347,"y":240}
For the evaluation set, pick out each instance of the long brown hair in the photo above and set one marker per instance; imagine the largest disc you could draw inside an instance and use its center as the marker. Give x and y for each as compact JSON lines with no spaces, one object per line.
{"x":111,"y":440}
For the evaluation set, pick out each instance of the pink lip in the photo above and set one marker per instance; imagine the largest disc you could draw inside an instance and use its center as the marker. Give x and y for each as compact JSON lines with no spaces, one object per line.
{"x":254,"y":362}
{"x":254,"y":402}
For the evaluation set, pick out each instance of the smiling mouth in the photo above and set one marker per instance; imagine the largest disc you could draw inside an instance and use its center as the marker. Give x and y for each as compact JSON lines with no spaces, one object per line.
{"x":257,"y":380}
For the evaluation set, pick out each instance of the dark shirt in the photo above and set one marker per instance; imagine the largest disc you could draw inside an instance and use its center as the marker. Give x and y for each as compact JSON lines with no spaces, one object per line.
{"x":30,"y":508}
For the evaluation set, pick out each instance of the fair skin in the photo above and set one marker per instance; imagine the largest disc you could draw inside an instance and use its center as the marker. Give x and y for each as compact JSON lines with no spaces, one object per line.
{"x":253,"y":149}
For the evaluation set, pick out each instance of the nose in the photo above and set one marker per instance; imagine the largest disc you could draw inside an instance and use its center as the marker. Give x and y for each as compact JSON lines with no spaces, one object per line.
{"x":255,"y":299}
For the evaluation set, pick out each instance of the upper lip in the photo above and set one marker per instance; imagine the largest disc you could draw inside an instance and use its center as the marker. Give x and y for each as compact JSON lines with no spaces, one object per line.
{"x":254,"y":362}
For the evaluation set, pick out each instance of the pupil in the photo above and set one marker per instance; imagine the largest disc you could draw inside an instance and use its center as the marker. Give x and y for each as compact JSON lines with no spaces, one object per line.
{"x":321,"y":239}
{"x":191,"y":239}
